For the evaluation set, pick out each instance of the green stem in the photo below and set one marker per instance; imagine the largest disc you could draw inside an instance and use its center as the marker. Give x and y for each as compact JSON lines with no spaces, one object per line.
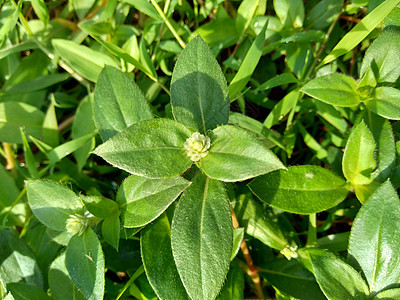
{"x":168,"y":23}
{"x":312,"y":230}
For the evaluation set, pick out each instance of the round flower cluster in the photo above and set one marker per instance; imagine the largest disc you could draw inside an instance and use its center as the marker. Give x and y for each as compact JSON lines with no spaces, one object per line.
{"x":197,"y":146}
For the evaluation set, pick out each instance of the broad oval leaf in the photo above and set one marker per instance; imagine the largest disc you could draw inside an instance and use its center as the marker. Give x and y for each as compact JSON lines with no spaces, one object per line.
{"x":118,"y":103}
{"x":61,"y":285}
{"x":291,"y":277}
{"x":151,"y":148}
{"x":381,"y":55}
{"x":85,"y":264}
{"x":335,"y":89}
{"x":52,"y":203}
{"x":17,"y":261}
{"x":234,"y":284}
{"x":14,"y":115}
{"x":337,"y":279}
{"x":236,"y":155}
{"x":202,"y":237}
{"x":142,"y":199}
{"x":300,"y":189}
{"x":385,"y":102}
{"x":199,"y":94}
{"x":84,"y":60}
{"x":155,"y":243}
{"x":374,"y":239}
{"x":358,"y":158}
{"x":23,"y":291}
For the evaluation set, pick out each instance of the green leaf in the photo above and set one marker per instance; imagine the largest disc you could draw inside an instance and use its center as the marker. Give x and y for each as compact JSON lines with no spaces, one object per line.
{"x":337,"y":279}
{"x":29,"y":158}
{"x":199,"y":95}
{"x":8,"y":189}
{"x":248,"y":65}
{"x":52,"y":203}
{"x":11,"y":14}
{"x":17,"y":262}
{"x":82,"y":126}
{"x":155,"y":242}
{"x":82,"y":59}
{"x":152,"y":148}
{"x":23,"y":291}
{"x":377,"y":224}
{"x":290,"y":12}
{"x":330,"y":114}
{"x":202,"y":237}
{"x":388,"y":295}
{"x":361,"y":30}
{"x":385,"y":102}
{"x":335,"y":89}
{"x":238,"y":234}
{"x":386,"y":150}
{"x":118,"y":103}
{"x":100,"y":206}
{"x":39,"y":6}
{"x":36,"y":84}
{"x":234,"y":284}
{"x":282,"y":108}
{"x":60,"y":282}
{"x":85,"y":264}
{"x":142,"y":200}
{"x":291,"y":277}
{"x":58,"y":153}
{"x":145,"y":59}
{"x":111,"y":230}
{"x":358,"y":158}
{"x":323,"y":14}
{"x":300,"y":189}
{"x":236,"y":155}
{"x":14,"y":115}
{"x":144,"y":7}
{"x":82,"y":7}
{"x":278,"y":80}
{"x":257,"y":223}
{"x":49,"y":130}
{"x":381,"y":55}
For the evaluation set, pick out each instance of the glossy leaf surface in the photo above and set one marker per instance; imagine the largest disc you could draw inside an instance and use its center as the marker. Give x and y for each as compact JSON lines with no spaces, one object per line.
{"x":300,"y":189}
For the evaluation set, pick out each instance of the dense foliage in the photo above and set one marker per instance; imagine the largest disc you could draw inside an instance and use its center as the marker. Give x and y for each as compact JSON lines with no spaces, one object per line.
{"x":201,"y":149}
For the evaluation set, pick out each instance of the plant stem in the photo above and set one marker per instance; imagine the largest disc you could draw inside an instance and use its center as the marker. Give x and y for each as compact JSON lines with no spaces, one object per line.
{"x":168,"y":23}
{"x":9,"y":153}
{"x":131,"y":280}
{"x":322,"y":47}
{"x":253,"y":272}
{"x":312,"y":230}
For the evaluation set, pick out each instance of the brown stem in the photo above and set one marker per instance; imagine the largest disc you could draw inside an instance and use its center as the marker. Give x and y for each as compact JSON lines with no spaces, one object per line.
{"x":253,"y":272}
{"x":8,"y":151}
{"x":66,"y":123}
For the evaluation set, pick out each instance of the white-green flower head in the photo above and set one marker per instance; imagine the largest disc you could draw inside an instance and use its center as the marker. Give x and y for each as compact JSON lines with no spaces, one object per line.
{"x":77,"y":223}
{"x":197,"y":146}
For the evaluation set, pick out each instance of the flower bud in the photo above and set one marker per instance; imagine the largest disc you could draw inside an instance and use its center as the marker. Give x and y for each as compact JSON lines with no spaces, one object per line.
{"x":77,"y":223}
{"x":197,"y":146}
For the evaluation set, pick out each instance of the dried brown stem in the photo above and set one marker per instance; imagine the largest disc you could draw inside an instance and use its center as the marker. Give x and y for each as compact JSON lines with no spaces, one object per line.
{"x":252,"y":272}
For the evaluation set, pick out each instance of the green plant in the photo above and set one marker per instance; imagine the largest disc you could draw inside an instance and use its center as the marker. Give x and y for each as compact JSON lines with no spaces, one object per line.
{"x":140,"y":173}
